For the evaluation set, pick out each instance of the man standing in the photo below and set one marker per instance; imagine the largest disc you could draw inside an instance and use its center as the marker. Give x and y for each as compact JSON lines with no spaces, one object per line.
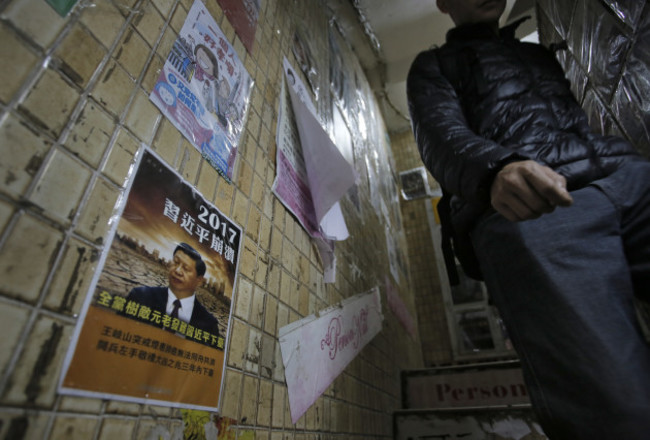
{"x":179,"y":299}
{"x":498,"y":127}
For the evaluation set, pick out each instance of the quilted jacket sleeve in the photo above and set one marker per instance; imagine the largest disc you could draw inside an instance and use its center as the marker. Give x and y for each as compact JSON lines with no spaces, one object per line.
{"x":461,"y":161}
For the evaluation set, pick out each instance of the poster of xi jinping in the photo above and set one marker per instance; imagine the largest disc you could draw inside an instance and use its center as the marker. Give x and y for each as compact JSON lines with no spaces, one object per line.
{"x":204,"y":89}
{"x":155,"y":325}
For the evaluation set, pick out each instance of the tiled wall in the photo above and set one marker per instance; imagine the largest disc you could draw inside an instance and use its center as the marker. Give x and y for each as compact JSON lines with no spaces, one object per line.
{"x":74,"y":108}
{"x":434,"y":333}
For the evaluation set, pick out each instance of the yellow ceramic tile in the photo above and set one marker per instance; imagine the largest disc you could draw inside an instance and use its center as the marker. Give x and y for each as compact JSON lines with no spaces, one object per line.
{"x":270,"y":315}
{"x":247,"y":148}
{"x":167,"y":141}
{"x":178,"y":19}
{"x":278,"y":214}
{"x":289,"y":228}
{"x":245,"y":177}
{"x":286,"y":287}
{"x":26,"y":258}
{"x":35,"y":377}
{"x":253,"y":124}
{"x":155,"y":429}
{"x":90,"y":134}
{"x":80,"y":55}
{"x":80,"y":405}
{"x":132,"y":52}
{"x":104,"y":21}
{"x":189,"y":162}
{"x":36,"y":19}
{"x":252,"y":354}
{"x":66,"y":428}
{"x":153,"y":72}
{"x":249,"y":400}
{"x":238,"y":344}
{"x":303,"y":269}
{"x":143,"y":117}
{"x":303,"y":301}
{"x":276,"y":244}
{"x":232,"y":394}
{"x":278,"y":366}
{"x":164,"y":6}
{"x":72,"y":278}
{"x":247,"y":259}
{"x":114,"y":88}
{"x":288,"y":255}
{"x":6,"y":211}
{"x":207,"y":182}
{"x":166,"y":43}
{"x":16,"y":62}
{"x":61,"y":186}
{"x":14,"y":320}
{"x":268,"y":119}
{"x":261,"y":151}
{"x":244,"y":298}
{"x":116,"y":428}
{"x":267,"y":202}
{"x":124,"y":408}
{"x":120,"y":158}
{"x":257,"y":307}
{"x":254,"y":218}
{"x":264,"y":240}
{"x":24,"y":153}
{"x":239,"y":47}
{"x":224,"y":198}
{"x":93,"y":222}
{"x":262,"y":268}
{"x":149,"y":23}
{"x":240,"y":208}
{"x":35,"y":424}
{"x":277,"y":414}
{"x":273,"y":278}
{"x":265,"y":403}
{"x":51,"y":101}
{"x":267,"y":356}
{"x":287,"y":416}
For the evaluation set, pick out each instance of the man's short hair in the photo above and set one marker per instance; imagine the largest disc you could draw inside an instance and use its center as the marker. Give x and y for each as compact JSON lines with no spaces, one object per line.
{"x":194,"y":255}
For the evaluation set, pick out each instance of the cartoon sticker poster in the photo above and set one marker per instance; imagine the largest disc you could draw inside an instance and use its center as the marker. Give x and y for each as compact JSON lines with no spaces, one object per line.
{"x":157,"y":317}
{"x":204,"y":90}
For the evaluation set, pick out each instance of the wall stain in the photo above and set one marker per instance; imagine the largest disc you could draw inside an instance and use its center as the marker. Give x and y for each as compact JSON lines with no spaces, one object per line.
{"x":17,"y":428}
{"x":71,"y":292}
{"x":48,"y":351}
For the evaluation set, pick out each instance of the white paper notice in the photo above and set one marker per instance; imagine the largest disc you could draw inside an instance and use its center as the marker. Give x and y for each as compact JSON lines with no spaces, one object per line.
{"x":329,"y":174}
{"x":312,"y":174}
{"x":320,"y":172}
{"x":316,"y":349}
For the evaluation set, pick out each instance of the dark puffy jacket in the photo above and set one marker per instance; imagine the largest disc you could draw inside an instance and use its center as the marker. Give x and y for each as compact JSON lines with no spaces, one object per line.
{"x":504,"y":101}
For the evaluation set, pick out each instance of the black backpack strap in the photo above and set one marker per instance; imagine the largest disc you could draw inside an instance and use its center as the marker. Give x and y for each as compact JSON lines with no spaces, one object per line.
{"x":446,"y":232}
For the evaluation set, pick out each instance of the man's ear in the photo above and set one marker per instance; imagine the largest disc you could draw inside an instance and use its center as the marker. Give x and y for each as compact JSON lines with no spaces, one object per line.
{"x":442,"y":5}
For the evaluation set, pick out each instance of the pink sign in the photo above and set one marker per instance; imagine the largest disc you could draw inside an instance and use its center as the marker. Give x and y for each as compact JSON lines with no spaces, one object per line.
{"x":316,"y":349}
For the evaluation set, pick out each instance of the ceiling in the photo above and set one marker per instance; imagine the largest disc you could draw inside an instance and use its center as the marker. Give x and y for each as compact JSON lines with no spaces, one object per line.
{"x":400,"y":29}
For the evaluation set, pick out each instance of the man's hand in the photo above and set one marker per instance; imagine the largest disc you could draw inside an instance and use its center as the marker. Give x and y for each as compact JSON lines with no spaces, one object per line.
{"x":525,"y":190}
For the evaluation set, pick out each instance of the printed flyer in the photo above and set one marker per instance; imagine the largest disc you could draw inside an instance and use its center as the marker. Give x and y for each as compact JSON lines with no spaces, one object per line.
{"x":312,"y":173}
{"x":243,"y":14}
{"x":204,"y":90}
{"x":155,"y":324}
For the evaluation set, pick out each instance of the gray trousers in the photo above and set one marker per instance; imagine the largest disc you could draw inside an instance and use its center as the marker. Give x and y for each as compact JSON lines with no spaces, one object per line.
{"x":564,"y":285}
